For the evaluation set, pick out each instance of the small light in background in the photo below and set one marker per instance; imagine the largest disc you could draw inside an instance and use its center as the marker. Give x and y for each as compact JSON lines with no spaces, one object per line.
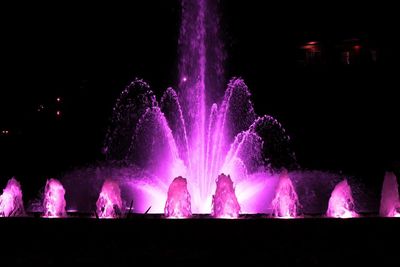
{"x":184,"y":79}
{"x":312,"y":46}
{"x":374,"y":55}
{"x":312,"y":52}
{"x":357,"y":49}
{"x":346,"y":57}
{"x":58,"y":99}
{"x":40,"y":108}
{"x":58,"y":113}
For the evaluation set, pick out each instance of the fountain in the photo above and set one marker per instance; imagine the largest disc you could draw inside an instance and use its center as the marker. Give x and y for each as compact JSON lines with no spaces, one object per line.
{"x":390,"y":202}
{"x":197,"y":131}
{"x":225,"y":204}
{"x":54,"y":202}
{"x":178,"y":201}
{"x":11,"y":203}
{"x":341,"y":203}
{"x":234,"y":162}
{"x":286,"y":203}
{"x":109,"y":204}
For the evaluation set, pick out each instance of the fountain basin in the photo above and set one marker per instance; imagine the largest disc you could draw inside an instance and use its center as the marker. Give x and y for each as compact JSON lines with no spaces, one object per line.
{"x":153,"y":240}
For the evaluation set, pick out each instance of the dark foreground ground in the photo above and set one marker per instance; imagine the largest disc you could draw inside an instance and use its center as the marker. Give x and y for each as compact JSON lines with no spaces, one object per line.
{"x":139,"y":241}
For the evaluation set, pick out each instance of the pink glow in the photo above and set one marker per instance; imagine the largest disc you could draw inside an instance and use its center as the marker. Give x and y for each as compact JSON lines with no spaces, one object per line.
{"x":285,"y":203}
{"x":54,"y":201}
{"x":58,"y":113}
{"x":165,"y":152}
{"x":202,"y":133}
{"x":341,"y":203}
{"x":225,"y":204}
{"x":390,"y":201}
{"x":109,"y":203}
{"x":58,"y":99}
{"x":178,"y":202}
{"x":252,"y":192}
{"x":11,"y":203}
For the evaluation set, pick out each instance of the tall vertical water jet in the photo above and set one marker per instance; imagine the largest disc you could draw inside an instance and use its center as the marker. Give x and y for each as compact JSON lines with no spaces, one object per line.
{"x":285,"y":203}
{"x":11,"y":203}
{"x":225,"y":203}
{"x":201,"y":58}
{"x":178,"y":203}
{"x":192,"y":68}
{"x":54,"y":201}
{"x":109,"y":204}
{"x":201,"y":77}
{"x":390,"y":201}
{"x":341,"y":202}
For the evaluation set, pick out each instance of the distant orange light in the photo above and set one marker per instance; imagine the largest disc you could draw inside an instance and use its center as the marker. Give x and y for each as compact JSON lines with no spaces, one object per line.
{"x":357,"y":47}
{"x":311,"y":48}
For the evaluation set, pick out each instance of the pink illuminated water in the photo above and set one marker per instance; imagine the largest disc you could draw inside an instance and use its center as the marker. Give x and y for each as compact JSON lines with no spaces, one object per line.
{"x":178,"y":200}
{"x":199,"y":130}
{"x":390,"y":201}
{"x":285,"y":203}
{"x":54,"y":201}
{"x":109,"y":204}
{"x":160,"y":148}
{"x":225,"y":203}
{"x":341,"y":203}
{"x":11,"y":203}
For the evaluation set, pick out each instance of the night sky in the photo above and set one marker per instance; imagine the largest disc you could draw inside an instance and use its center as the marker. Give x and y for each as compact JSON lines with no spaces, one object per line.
{"x":340,"y":117}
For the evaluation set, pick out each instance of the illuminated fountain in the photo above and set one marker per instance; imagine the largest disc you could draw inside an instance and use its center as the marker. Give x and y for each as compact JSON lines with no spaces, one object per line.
{"x":178,"y":202}
{"x":225,"y":203}
{"x":341,"y":203}
{"x":198,"y":131}
{"x":11,"y":203}
{"x":54,"y":202}
{"x":390,"y":202}
{"x":109,"y":204}
{"x":286,"y":203}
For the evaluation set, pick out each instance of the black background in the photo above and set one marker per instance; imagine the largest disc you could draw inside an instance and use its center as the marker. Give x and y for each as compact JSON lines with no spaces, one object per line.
{"x":340,"y":118}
